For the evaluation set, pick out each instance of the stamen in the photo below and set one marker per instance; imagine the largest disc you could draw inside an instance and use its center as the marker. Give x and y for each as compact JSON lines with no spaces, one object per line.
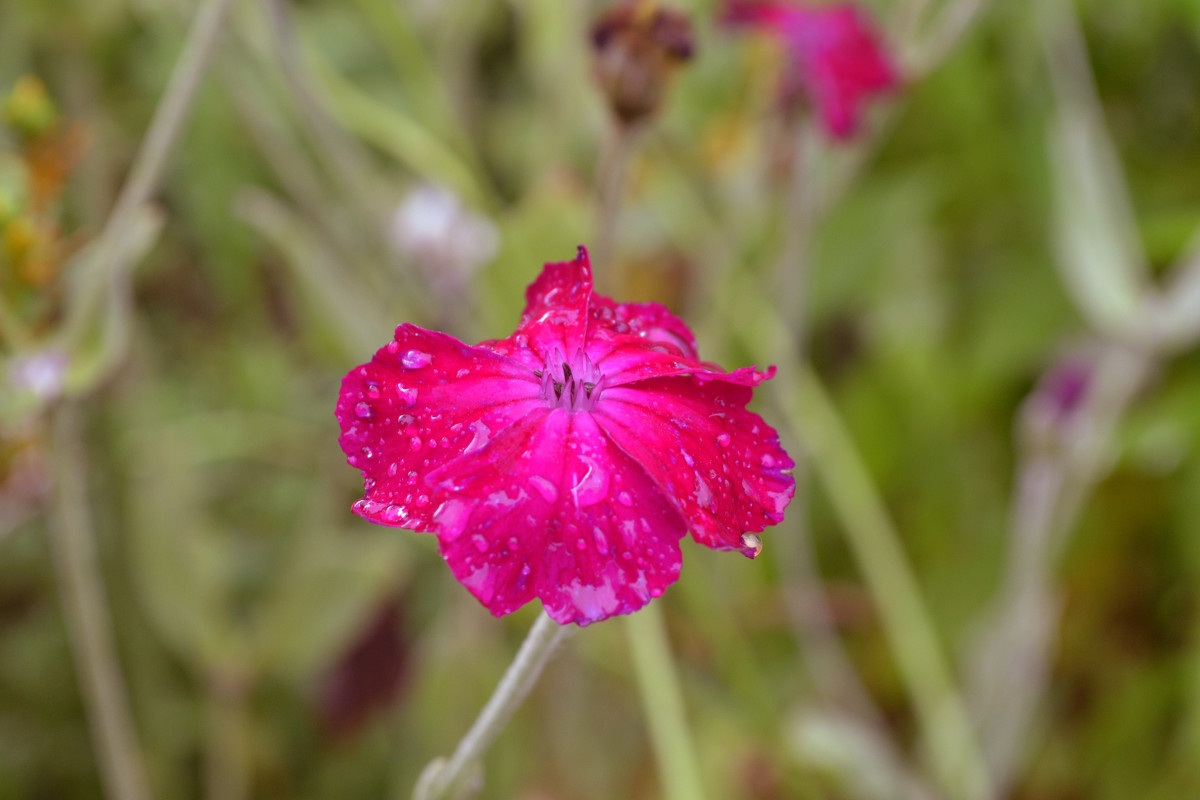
{"x":573,"y":385}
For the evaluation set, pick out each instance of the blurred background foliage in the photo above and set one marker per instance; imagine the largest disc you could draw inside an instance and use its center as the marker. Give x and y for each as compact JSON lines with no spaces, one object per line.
{"x":276,"y":646}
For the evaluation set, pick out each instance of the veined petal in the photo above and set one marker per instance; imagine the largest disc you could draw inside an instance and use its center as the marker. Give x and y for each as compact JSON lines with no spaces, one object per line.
{"x":556,"y":309}
{"x":626,"y":359}
{"x":653,"y":322}
{"x":720,"y":464}
{"x":555,"y":510}
{"x":424,"y":400}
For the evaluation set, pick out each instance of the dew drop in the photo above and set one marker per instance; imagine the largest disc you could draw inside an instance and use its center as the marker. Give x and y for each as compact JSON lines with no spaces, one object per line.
{"x":372,"y":389}
{"x":624,"y":499}
{"x":687,"y":459}
{"x":601,"y":541}
{"x":415,"y":444}
{"x":768,"y":460}
{"x":593,"y":484}
{"x":406,"y":396}
{"x":512,"y":543}
{"x":393,"y":469}
{"x":393,"y":347}
{"x":482,"y":434}
{"x":422,"y":501}
{"x":723,"y":439}
{"x":362,"y":411}
{"x":752,"y":541}
{"x":580,"y":545}
{"x":415,"y":359}
{"x":394,"y":513}
{"x":480,"y":543}
{"x":545,"y":488}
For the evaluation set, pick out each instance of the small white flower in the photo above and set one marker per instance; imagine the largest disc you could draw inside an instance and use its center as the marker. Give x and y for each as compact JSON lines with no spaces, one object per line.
{"x":40,"y":374}
{"x":446,"y":240}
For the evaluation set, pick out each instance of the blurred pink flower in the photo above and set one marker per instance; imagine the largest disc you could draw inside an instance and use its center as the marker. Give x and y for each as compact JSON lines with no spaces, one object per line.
{"x":835,"y":57}
{"x":566,"y":461}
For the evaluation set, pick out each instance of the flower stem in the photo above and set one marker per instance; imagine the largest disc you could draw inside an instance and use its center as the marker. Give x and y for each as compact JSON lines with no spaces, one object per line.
{"x":610,"y":187}
{"x":144,"y":176}
{"x":662,"y":701}
{"x":806,"y":605}
{"x":444,"y":778}
{"x":876,"y":545}
{"x":89,"y":624}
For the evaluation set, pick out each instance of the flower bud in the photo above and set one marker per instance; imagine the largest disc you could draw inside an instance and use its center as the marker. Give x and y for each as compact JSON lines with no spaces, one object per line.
{"x":638,"y":44}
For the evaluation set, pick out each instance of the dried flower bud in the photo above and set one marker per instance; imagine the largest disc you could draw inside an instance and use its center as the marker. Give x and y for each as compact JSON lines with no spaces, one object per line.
{"x":28,"y":109}
{"x":638,"y":44}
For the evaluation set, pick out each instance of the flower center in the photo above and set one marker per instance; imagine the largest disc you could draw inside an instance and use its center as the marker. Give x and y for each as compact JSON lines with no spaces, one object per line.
{"x":573,"y":385}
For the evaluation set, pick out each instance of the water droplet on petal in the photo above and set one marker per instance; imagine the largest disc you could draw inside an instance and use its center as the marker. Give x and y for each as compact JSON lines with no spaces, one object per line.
{"x":362,"y":411}
{"x":406,"y":396}
{"x":624,"y":499}
{"x":415,"y":444}
{"x":372,"y":389}
{"x":580,"y":545}
{"x":394,"y":513}
{"x":752,"y":541}
{"x":482,"y":434}
{"x":480,"y":543}
{"x":393,"y":347}
{"x":723,"y":439}
{"x":452,"y":516}
{"x":512,"y":543}
{"x":392,"y":469}
{"x":768,"y":460}
{"x":593,"y":484}
{"x":601,"y":541}
{"x":545,"y":488}
{"x":415,"y":359}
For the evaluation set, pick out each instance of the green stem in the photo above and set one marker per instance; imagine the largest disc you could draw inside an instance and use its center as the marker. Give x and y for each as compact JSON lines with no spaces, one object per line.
{"x":828,"y":664}
{"x":85,"y":607}
{"x":148,"y":166}
{"x":610,"y":189}
{"x":445,"y":778}
{"x":907,"y":624}
{"x":228,"y":768}
{"x":662,"y":701}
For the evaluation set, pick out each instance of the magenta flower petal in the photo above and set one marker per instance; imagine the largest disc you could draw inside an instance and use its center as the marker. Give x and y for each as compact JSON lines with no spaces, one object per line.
{"x":555,"y":510}
{"x":566,"y":461}
{"x":721,"y":465}
{"x":651,"y":321}
{"x":556,"y":307}
{"x":423,"y":400}
{"x":835,"y":57}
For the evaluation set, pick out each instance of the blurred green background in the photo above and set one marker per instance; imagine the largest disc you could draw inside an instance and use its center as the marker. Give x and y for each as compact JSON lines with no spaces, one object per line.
{"x":274,"y":645}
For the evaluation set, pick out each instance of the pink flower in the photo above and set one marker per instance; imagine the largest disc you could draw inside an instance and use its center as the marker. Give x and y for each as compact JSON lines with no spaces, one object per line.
{"x":568,"y":460}
{"x":835,"y":56}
